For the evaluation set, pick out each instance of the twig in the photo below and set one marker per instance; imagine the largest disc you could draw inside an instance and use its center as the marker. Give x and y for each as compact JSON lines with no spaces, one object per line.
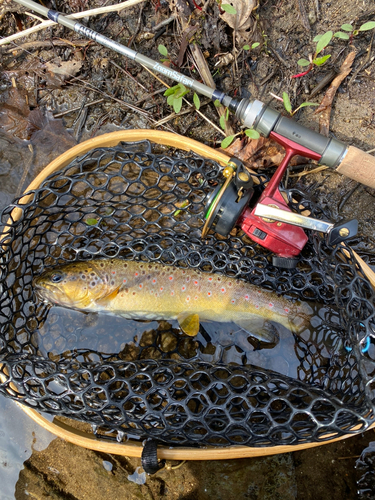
{"x":77,"y":15}
{"x":314,"y":171}
{"x":129,"y":75}
{"x":172,"y":115}
{"x":304,"y":18}
{"x":45,"y":43}
{"x":163,"y":23}
{"x":77,"y":108}
{"x":363,"y":65}
{"x":188,"y":103}
{"x":206,"y":76}
{"x":275,"y":54}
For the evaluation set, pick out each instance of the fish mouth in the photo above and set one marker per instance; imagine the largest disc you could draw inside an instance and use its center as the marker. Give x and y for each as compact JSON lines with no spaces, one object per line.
{"x":46,"y":293}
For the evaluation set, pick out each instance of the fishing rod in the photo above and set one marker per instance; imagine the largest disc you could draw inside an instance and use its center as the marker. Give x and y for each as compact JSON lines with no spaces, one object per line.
{"x":229,"y":205}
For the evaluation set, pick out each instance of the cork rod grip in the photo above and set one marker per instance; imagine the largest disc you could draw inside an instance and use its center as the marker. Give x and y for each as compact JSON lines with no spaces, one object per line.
{"x":359,"y":166}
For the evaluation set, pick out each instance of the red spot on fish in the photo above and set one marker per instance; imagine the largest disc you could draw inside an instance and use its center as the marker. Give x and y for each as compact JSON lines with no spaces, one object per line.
{"x":170,"y":278}
{"x":172,"y":293}
{"x":196,"y":297}
{"x":136,"y":274}
{"x":124,"y":280}
{"x":161,"y":288}
{"x":286,"y":310}
{"x":113,"y":272}
{"x":195,"y":282}
{"x":209,"y":279}
{"x":209,"y":294}
{"x":246,"y":297}
{"x":270,"y":304}
{"x":183,"y":288}
{"x":256,"y":306}
{"x":233,"y":301}
{"x":223,"y":290}
{"x":140,"y":285}
{"x":154,"y":280}
{"x":187,"y":299}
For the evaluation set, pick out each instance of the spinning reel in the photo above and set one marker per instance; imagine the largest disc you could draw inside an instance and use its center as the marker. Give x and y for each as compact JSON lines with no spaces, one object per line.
{"x":269,"y":222}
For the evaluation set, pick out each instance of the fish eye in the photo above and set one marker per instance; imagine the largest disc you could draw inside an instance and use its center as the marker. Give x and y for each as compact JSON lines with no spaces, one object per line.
{"x":56,"y":278}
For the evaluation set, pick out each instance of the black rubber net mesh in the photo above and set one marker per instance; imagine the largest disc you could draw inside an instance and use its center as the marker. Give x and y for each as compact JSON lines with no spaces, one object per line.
{"x":137,"y":379}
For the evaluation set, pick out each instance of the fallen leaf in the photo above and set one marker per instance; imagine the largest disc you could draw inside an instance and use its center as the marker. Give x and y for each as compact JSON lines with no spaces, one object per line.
{"x":14,"y":112}
{"x":241,"y":20}
{"x":326,"y":104}
{"x":60,"y":71}
{"x":260,"y":153}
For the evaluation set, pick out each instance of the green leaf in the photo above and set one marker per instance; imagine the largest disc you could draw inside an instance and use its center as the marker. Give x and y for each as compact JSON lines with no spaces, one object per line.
{"x":286,"y":101}
{"x":217,"y":103}
{"x":255,"y":45}
{"x":170,"y":100}
{"x":177,"y":104}
{"x":246,"y":47}
{"x":303,"y":62}
{"x":321,"y":60}
{"x":227,"y":141}
{"x":367,"y":26}
{"x":253,"y":134}
{"x":227,"y":114}
{"x":91,"y":222}
{"x":170,"y":91}
{"x":222,"y":122}
{"x":228,"y":8}
{"x":323,"y":42}
{"x":163,"y":50}
{"x":304,"y":104}
{"x":317,"y":38}
{"x":197,"y":102}
{"x":347,"y":27}
{"x":343,"y":36}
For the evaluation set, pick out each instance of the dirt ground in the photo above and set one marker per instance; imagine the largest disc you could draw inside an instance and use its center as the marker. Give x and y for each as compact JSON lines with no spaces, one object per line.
{"x":58,"y":89}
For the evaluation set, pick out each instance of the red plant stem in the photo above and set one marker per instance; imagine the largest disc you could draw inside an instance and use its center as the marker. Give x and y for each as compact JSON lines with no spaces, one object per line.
{"x":197,"y":6}
{"x":304,"y":73}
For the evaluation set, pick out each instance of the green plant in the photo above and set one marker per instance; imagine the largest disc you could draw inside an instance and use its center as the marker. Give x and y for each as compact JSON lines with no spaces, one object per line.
{"x":164,"y":52}
{"x":175,"y":94}
{"x":322,"y":42}
{"x":226,"y":7}
{"x":351,"y":32}
{"x":254,"y":46}
{"x":288,"y":106}
{"x":253,"y":134}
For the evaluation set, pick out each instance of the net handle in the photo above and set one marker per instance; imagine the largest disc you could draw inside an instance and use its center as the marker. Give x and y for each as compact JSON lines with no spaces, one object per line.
{"x":85,"y":440}
{"x":134,"y":449}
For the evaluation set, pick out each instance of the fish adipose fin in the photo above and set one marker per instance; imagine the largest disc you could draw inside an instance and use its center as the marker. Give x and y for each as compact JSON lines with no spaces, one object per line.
{"x":189,"y":323}
{"x":261,"y":329}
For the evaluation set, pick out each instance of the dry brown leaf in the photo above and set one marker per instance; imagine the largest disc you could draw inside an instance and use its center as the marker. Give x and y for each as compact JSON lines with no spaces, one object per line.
{"x":241,"y":20}
{"x":60,"y":71}
{"x":325,"y":106}
{"x":260,"y":153}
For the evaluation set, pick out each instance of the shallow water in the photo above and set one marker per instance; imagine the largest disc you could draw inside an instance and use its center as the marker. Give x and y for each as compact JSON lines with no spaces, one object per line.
{"x":306,"y":356}
{"x":19,"y":438}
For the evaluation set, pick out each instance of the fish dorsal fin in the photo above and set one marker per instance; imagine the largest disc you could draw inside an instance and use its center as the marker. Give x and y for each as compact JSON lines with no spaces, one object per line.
{"x":108,"y":297}
{"x":189,"y":323}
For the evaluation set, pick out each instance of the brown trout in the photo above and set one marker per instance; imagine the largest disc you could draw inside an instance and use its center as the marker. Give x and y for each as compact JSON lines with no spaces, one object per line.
{"x":148,"y":291}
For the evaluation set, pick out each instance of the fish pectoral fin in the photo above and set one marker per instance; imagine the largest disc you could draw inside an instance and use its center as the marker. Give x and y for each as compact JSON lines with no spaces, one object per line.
{"x":260,"y":328}
{"x":189,"y":323}
{"x":107,"y":298}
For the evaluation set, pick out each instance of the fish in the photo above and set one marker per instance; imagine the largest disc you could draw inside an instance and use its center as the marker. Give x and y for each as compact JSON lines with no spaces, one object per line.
{"x":153,"y":291}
